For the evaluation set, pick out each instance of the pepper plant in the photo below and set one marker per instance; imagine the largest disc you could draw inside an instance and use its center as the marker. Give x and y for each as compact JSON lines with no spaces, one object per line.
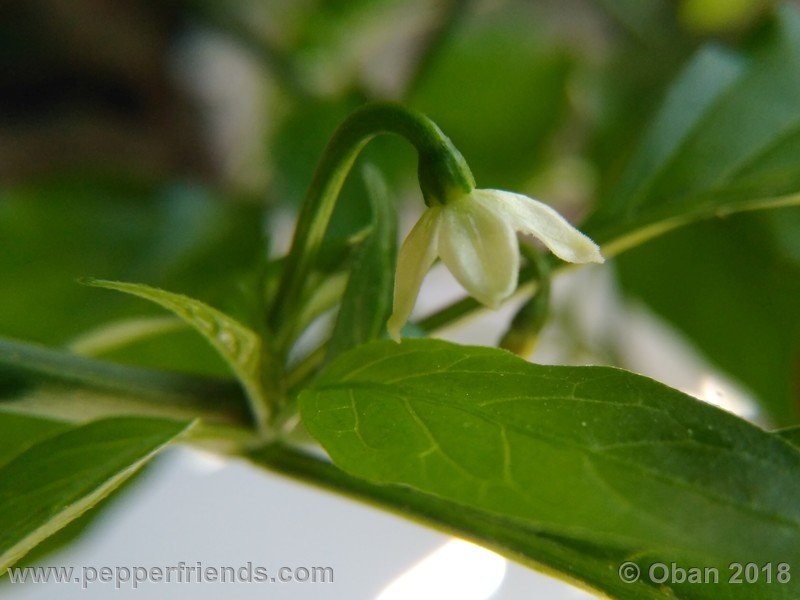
{"x":575,"y":470}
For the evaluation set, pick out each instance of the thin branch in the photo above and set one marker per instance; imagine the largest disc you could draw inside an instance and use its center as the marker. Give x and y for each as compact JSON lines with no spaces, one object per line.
{"x":205,"y":394}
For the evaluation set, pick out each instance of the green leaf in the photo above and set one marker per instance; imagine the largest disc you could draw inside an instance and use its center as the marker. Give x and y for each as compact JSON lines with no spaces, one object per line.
{"x":79,"y":527}
{"x":791,"y":435}
{"x":367,"y":299}
{"x":727,"y":139}
{"x":240,"y":346}
{"x":569,"y":558}
{"x":595,"y":455}
{"x":21,"y":431}
{"x":726,"y":286}
{"x":56,"y":480}
{"x":121,"y":333}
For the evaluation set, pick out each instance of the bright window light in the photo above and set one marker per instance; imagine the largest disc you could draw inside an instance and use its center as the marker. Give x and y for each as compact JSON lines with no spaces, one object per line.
{"x":457,"y":569}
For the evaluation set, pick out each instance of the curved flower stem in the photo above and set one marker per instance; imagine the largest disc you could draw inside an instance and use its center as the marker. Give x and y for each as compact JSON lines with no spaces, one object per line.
{"x":523,"y":332}
{"x":442,"y":173}
{"x":464,"y":308}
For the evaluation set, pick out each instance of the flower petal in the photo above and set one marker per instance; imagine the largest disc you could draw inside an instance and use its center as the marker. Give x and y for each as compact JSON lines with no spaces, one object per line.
{"x":481,"y":250}
{"x":415,"y":258}
{"x":538,"y":219}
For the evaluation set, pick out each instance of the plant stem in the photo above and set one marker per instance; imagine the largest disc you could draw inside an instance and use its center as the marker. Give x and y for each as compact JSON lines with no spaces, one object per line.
{"x":523,"y":332}
{"x":216,"y":398}
{"x":461,"y":309}
{"x":442,"y":173}
{"x":305,"y":368}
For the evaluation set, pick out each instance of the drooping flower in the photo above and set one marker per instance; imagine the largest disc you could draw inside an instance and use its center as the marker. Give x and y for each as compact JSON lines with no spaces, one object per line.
{"x":474,"y":235}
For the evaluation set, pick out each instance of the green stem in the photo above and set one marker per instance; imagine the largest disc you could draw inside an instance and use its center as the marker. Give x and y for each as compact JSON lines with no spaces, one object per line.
{"x":213,"y":398}
{"x":523,"y":333}
{"x":464,"y":308}
{"x":450,"y":314}
{"x":305,"y":368}
{"x":442,"y":173}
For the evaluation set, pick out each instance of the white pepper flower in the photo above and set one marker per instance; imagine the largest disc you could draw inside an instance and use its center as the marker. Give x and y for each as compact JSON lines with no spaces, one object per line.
{"x":474,"y":235}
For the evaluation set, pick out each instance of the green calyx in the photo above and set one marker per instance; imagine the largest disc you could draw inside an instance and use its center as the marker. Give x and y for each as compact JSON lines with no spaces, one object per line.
{"x":443,"y":175}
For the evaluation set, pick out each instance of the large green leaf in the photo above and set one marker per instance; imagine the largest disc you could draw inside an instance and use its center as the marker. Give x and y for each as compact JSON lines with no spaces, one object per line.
{"x":56,"y":480}
{"x":791,"y":435}
{"x":21,"y":431}
{"x":367,"y":299}
{"x":569,"y":558}
{"x":734,"y":293}
{"x":599,"y":456}
{"x":727,"y":139}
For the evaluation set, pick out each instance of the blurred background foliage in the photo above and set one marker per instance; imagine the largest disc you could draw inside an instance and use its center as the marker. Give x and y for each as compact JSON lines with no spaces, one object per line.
{"x":166,"y":142}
